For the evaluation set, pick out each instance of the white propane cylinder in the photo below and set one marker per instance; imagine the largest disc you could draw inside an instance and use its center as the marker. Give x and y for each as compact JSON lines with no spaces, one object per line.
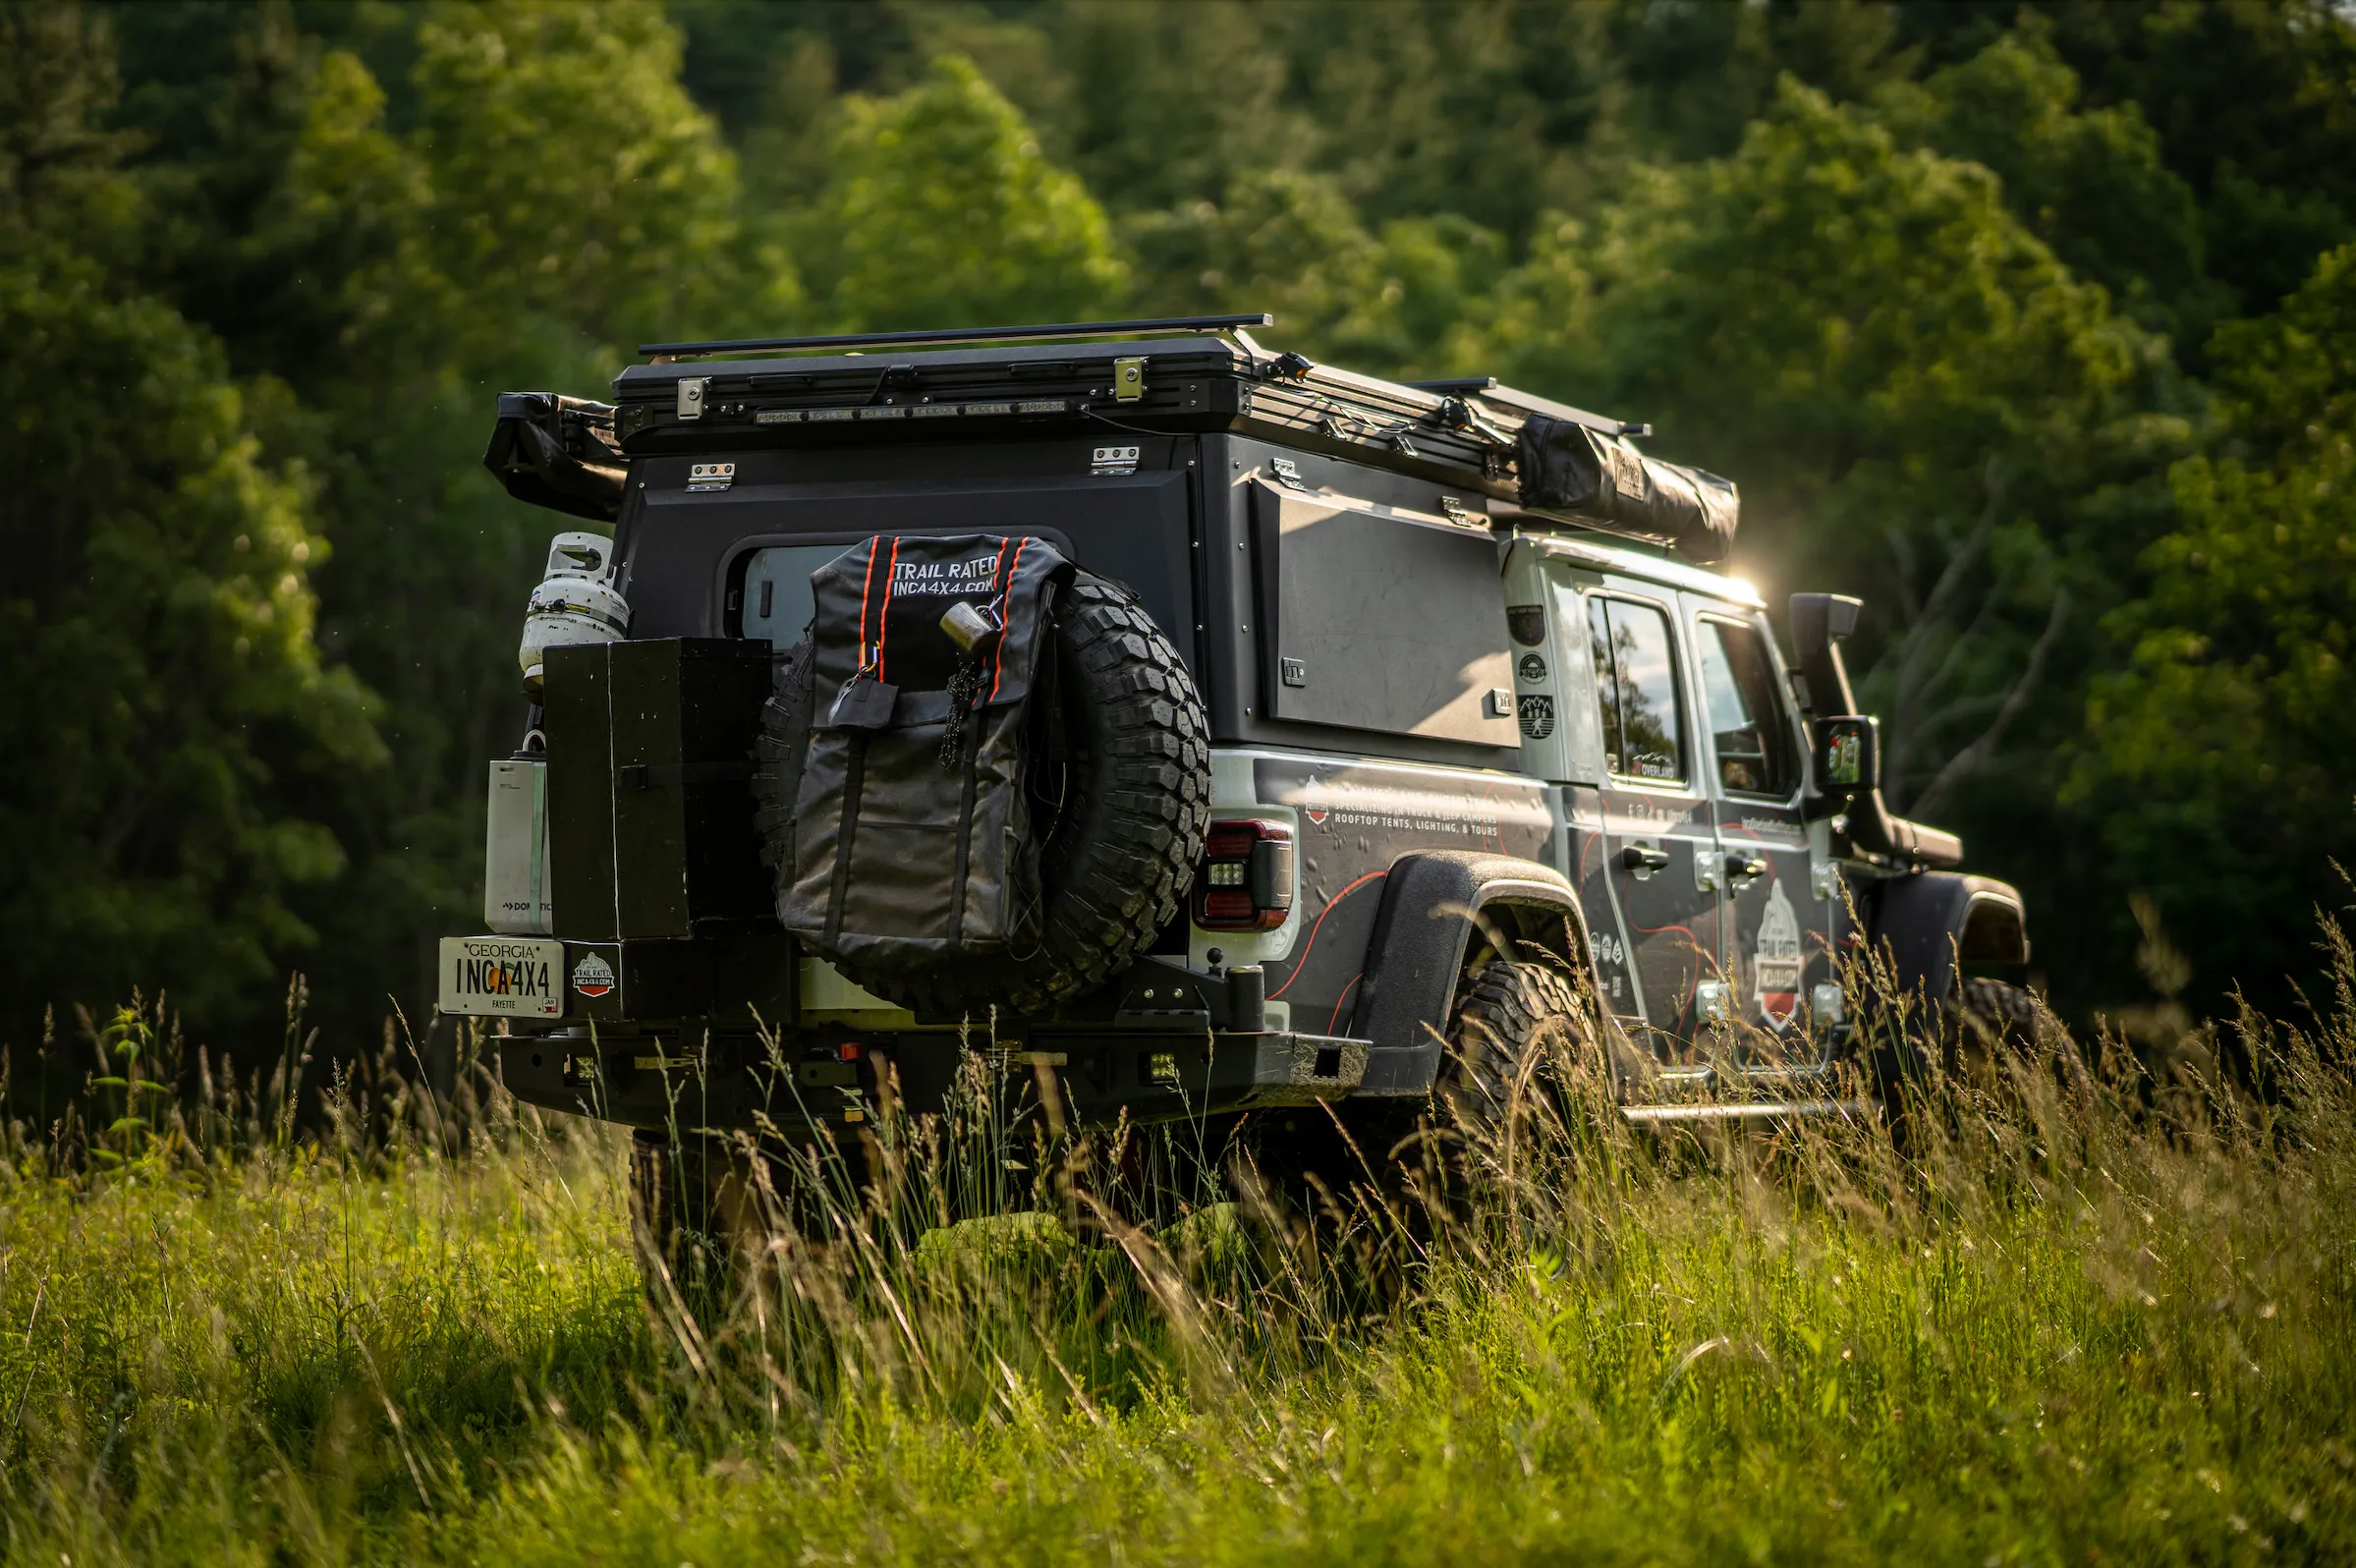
{"x":516,"y":896}
{"x":576,"y":603}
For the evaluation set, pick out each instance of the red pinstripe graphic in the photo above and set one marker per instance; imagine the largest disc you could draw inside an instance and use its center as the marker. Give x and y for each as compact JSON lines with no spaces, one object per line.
{"x":1334,"y":1023}
{"x":1302,"y":962}
{"x":883,"y":616}
{"x":1005,"y":587}
{"x":865,"y":584}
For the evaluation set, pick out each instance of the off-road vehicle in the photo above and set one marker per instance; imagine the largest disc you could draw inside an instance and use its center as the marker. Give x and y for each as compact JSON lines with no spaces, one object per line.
{"x":1177,"y":727}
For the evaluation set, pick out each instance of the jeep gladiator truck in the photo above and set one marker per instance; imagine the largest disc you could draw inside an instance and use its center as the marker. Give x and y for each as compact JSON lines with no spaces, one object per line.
{"x":1363,"y":688}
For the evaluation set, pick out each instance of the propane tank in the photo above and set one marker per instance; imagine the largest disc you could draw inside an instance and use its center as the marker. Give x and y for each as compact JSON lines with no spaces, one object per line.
{"x":576,"y":603}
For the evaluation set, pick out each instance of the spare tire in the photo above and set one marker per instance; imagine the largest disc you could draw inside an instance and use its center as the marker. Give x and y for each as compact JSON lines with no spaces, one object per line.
{"x":1120,"y":798}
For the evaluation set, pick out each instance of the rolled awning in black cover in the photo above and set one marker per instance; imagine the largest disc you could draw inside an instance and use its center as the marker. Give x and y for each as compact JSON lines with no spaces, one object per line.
{"x":1586,"y":476}
{"x":558,"y":452}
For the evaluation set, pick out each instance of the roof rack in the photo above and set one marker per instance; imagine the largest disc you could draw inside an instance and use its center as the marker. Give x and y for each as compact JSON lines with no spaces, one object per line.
{"x":1000,"y":334}
{"x":1530,"y":403}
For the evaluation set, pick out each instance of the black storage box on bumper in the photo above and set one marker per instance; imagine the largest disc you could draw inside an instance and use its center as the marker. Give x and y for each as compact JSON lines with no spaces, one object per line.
{"x":649,"y":748}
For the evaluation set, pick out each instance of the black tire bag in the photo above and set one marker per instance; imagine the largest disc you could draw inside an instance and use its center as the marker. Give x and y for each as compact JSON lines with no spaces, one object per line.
{"x":911,"y":843}
{"x":1117,"y":772}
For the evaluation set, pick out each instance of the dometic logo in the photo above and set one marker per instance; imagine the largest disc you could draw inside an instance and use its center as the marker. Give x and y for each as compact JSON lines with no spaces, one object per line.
{"x":1775,"y":959}
{"x":592,"y":975}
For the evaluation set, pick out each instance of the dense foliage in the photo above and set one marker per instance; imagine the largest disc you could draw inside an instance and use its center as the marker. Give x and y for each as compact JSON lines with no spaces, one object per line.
{"x":2029,"y":323}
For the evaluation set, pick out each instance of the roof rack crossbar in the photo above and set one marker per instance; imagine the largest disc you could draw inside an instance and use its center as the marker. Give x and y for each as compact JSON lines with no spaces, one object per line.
{"x":877,"y":339}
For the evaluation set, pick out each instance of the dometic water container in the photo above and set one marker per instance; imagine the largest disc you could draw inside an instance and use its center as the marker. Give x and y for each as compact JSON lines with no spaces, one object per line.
{"x":516,"y":897}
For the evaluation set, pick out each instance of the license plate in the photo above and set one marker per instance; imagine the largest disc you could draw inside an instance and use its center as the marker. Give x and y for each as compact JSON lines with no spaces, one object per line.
{"x":503,"y":976}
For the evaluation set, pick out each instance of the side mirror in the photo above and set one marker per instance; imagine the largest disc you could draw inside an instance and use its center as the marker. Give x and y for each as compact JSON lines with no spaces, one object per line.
{"x":1818,"y":622}
{"x":1848,"y":755}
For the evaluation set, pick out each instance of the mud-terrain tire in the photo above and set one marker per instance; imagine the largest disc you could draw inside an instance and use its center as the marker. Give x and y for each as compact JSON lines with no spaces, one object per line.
{"x":697,"y":1203}
{"x":1498,"y":1097}
{"x":1990,"y":1009}
{"x":1117,"y":858}
{"x":1983,"y":1024}
{"x":685,"y":1212}
{"x":1518,"y":1026}
{"x":1513,"y":1018}
{"x":1996,"y":1019}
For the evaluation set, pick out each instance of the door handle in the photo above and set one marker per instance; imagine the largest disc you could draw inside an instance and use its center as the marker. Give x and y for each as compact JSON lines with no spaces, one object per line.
{"x":1644,"y":860}
{"x":1745,"y":868}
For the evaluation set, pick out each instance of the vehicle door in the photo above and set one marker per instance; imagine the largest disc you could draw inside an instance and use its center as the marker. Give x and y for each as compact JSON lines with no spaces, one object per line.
{"x":1781,"y":912}
{"x":1659,"y":836}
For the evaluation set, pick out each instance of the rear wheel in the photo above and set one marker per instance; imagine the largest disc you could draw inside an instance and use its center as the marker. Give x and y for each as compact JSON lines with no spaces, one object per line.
{"x":1521,"y":1036}
{"x":1524,"y":1040}
{"x":698,"y":1204}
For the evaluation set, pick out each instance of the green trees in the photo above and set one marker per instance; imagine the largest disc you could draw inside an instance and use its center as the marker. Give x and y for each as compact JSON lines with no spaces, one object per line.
{"x":568,"y":174}
{"x":1917,"y":396}
{"x":168,"y":715}
{"x":167,"y":706}
{"x":1941,"y":286}
{"x":939,"y":210}
{"x":2223,"y":767}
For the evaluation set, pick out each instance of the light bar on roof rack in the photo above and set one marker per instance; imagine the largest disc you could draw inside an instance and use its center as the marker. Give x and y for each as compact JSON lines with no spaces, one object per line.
{"x":877,"y":340}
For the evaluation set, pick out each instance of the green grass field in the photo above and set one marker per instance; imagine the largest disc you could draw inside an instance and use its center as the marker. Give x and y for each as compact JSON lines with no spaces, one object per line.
{"x":2102,"y":1323}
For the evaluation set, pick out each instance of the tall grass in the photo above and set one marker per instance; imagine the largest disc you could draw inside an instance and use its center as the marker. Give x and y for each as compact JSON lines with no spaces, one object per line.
{"x":2072,"y":1317}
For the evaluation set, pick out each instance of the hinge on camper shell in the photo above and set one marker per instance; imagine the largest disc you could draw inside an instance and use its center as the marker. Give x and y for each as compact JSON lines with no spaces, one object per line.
{"x":1456,"y":414}
{"x":1456,"y":512}
{"x":1288,"y":474}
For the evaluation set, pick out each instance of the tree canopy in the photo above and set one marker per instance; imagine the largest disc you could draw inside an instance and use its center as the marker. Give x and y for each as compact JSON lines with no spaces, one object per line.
{"x":2029,"y":323}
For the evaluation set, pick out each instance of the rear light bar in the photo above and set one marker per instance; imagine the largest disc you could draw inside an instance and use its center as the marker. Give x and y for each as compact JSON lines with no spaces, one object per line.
{"x":1246,"y":884}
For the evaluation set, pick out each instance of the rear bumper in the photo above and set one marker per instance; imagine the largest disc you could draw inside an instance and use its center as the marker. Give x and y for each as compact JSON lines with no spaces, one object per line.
{"x":1097,"y":1077}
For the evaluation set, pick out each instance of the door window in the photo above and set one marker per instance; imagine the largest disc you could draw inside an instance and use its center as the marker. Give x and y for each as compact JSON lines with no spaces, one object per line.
{"x":1754,"y":746}
{"x":1635,"y":680}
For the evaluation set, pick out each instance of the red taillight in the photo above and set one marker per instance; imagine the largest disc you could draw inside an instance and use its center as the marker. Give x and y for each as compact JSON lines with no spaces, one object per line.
{"x":1224,"y":910}
{"x":1246,"y":880}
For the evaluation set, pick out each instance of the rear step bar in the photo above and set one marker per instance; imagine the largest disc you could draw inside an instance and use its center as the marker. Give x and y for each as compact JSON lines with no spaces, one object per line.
{"x":1785,"y":1110}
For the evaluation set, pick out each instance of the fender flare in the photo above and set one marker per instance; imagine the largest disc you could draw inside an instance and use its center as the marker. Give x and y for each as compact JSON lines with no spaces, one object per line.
{"x":1924,"y":924}
{"x":1429,"y":904}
